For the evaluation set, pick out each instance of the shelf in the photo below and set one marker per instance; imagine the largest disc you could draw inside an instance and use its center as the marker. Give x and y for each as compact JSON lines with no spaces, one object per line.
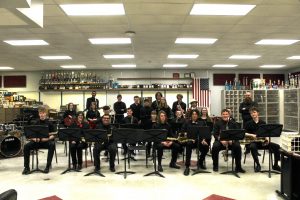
{"x":73,"y":83}
{"x":136,"y":79}
{"x":291,"y":116}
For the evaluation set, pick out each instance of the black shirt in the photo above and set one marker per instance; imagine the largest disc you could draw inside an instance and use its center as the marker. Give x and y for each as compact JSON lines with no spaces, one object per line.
{"x":145,"y":113}
{"x":244,"y":110}
{"x":188,"y":126}
{"x":252,"y":127}
{"x":223,"y":125}
{"x":89,"y":102}
{"x":136,"y":110}
{"x":93,"y":114}
{"x":175,"y":104}
{"x":120,"y":107}
{"x":130,"y":120}
{"x":167,"y":111}
{"x":164,"y":126}
{"x":69,"y":112}
{"x":46,"y":122}
{"x":154,"y":105}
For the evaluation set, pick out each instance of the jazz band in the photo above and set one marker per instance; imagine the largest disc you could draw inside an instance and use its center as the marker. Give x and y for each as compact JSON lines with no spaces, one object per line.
{"x":158,"y":115}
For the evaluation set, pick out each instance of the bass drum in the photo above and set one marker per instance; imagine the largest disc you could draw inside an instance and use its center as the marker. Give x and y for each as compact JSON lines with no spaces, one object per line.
{"x":10,"y":146}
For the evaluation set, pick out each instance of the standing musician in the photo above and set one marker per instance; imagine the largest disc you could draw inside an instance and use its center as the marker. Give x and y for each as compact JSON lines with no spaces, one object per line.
{"x":164,"y":107}
{"x":251,"y":128}
{"x":245,"y":107}
{"x":129,"y":119}
{"x":90,"y":100}
{"x":76,"y":147}
{"x":136,"y":107}
{"x":120,"y":109}
{"x":37,"y":143}
{"x":163,"y":124}
{"x":145,"y":114}
{"x":69,"y":115}
{"x":225,"y":124}
{"x":93,"y":115}
{"x":194,"y":104}
{"x":155,"y":104}
{"x":179,"y":104}
{"x":203,"y":145}
{"x":108,"y":145}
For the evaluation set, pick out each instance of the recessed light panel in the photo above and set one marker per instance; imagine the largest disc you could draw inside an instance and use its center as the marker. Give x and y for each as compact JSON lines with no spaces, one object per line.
{"x":276,"y":42}
{"x":73,"y":66}
{"x":110,"y":41}
{"x":26,"y":42}
{"x":195,"y":40}
{"x":183,"y":56}
{"x":55,"y":57}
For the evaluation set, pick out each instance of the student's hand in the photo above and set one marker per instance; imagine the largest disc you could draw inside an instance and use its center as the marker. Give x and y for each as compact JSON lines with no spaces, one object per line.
{"x":203,"y":142}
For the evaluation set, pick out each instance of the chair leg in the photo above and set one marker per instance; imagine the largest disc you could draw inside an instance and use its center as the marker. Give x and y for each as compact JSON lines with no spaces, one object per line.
{"x":90,"y":147}
{"x":85,"y":155}
{"x":55,"y":152}
{"x":263,"y":160}
{"x":32,"y":163}
{"x":118,"y":156}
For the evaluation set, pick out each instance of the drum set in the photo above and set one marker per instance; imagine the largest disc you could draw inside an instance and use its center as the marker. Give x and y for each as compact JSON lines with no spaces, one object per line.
{"x":11,"y":141}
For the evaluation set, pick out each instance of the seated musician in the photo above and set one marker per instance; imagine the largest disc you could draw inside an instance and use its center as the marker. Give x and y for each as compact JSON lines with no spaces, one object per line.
{"x":203,"y":145}
{"x":177,"y":122}
{"x":76,"y":147}
{"x":251,"y":128}
{"x":224,"y":124}
{"x":204,"y":117}
{"x":69,"y":115}
{"x":37,"y":143}
{"x":93,"y":115}
{"x":129,"y":119}
{"x":108,"y":145}
{"x":163,"y":124}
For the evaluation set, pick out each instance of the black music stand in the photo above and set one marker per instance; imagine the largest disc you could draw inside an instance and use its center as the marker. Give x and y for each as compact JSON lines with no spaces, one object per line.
{"x":69,"y":134}
{"x":127,"y":135}
{"x":36,"y":131}
{"x":97,"y":136}
{"x":198,"y":133}
{"x":269,"y":130}
{"x":176,"y":127}
{"x":132,"y":126}
{"x":232,"y":134}
{"x":156,"y":136}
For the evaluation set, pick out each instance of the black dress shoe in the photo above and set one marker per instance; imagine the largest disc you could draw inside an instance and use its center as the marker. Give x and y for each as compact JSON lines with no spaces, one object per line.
{"x":97,"y":169}
{"x":276,"y":167}
{"x":173,"y":165}
{"x":26,"y":171}
{"x":186,"y":171}
{"x":257,"y":168}
{"x":240,"y":170}
{"x":46,"y":170}
{"x":112,"y":169}
{"x":202,"y":166}
{"x":74,"y":167}
{"x":160,"y":169}
{"x":215,"y":169}
{"x":79,"y":167}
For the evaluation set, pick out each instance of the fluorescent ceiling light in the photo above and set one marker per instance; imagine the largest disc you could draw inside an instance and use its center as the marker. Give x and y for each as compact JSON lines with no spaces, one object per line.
{"x":224,"y":65}
{"x":246,"y":57}
{"x":174,"y":65}
{"x":195,"y":40}
{"x":25,"y":42}
{"x":118,"y":56}
{"x":221,"y":9}
{"x":56,"y":57}
{"x":271,"y":66}
{"x":293,"y":58}
{"x":110,"y":40}
{"x":276,"y":42}
{"x":124,"y":66}
{"x":93,"y":9}
{"x":191,"y":56}
{"x":73,"y":66}
{"x":6,"y":68}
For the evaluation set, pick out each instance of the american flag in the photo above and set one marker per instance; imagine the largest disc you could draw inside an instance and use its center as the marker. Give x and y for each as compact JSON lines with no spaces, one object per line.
{"x":201,"y":91}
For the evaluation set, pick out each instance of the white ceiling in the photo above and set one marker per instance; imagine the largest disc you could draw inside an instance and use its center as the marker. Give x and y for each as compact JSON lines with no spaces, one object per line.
{"x":157,"y":24}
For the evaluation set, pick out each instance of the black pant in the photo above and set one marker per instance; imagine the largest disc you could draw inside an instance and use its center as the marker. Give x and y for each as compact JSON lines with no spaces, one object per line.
{"x":202,"y":148}
{"x":50,"y":145}
{"x":254,"y":146}
{"x":175,"y":147}
{"x":112,"y":150}
{"x":76,"y":149}
{"x":236,"y":152}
